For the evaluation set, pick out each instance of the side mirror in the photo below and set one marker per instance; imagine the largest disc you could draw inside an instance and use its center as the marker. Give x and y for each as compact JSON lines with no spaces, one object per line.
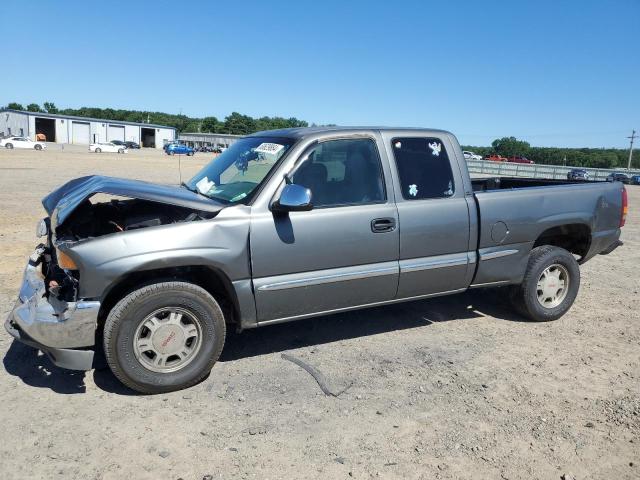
{"x":294,"y":198}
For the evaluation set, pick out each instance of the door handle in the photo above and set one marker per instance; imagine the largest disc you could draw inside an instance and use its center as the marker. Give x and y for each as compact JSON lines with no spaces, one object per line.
{"x":381,"y":225}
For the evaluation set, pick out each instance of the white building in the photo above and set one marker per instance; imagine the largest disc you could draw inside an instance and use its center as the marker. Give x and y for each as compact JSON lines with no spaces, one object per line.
{"x":208,"y":139}
{"x":82,"y":130}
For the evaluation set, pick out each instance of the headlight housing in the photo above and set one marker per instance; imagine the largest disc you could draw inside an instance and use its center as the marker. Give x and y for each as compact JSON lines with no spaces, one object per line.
{"x":65,"y":261}
{"x":42,"y":229}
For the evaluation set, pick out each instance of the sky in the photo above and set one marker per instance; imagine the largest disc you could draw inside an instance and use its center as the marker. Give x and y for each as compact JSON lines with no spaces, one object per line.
{"x":554,"y":73}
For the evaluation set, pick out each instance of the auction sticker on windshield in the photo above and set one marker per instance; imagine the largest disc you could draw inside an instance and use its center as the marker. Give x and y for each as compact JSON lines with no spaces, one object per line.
{"x":272,"y":148}
{"x":204,"y":185}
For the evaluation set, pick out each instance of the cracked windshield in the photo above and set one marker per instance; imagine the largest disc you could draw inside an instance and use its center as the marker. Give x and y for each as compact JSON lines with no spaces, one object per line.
{"x":235,"y":174}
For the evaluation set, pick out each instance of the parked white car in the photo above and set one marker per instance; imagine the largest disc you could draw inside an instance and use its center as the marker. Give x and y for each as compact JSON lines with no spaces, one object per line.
{"x":21,"y":142}
{"x":471,"y":156}
{"x":107,"y":147}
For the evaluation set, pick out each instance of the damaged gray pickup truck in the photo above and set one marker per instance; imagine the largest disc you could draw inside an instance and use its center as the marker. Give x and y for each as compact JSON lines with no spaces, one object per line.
{"x":291,"y":224}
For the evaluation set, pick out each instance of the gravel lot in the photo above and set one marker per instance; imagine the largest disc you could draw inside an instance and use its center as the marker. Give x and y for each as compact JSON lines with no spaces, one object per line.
{"x":457,"y":387}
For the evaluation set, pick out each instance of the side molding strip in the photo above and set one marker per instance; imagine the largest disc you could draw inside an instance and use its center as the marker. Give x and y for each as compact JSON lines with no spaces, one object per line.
{"x":428,"y":264}
{"x":336,"y":277}
{"x":498,"y":254}
{"x":489,"y":284}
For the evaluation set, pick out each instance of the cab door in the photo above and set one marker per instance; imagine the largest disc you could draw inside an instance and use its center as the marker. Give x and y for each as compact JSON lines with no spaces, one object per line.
{"x":433,"y":211}
{"x":344,"y":252}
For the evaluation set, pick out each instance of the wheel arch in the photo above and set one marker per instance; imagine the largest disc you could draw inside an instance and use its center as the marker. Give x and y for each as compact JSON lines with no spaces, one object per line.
{"x":573,"y":237}
{"x":209,"y":278}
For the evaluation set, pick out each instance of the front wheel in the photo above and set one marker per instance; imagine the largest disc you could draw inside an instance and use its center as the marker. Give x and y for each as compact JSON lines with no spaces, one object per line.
{"x":550,"y":285}
{"x":9,"y":146}
{"x":120,"y":150}
{"x":164,"y":337}
{"x":98,"y":150}
{"x":38,"y":147}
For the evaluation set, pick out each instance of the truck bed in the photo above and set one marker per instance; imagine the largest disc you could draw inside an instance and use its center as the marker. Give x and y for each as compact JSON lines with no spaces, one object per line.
{"x":515,"y":213}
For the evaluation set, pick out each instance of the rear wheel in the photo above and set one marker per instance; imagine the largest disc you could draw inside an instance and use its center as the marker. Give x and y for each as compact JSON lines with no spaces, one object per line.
{"x":164,"y":337}
{"x":9,"y":146}
{"x":38,"y":147}
{"x":550,"y":284}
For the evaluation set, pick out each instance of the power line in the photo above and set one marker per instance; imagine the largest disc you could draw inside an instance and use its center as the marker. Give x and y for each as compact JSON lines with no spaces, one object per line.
{"x":631,"y":139}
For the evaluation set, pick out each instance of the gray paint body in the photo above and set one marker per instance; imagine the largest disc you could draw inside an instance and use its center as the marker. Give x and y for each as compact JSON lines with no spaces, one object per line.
{"x":301,"y":264}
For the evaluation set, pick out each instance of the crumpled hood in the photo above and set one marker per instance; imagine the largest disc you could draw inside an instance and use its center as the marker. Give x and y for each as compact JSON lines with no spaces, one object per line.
{"x":60,"y":203}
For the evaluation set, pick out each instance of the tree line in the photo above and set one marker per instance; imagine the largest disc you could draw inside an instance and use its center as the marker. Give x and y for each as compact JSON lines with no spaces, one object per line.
{"x":236,"y":123}
{"x":576,"y":157}
{"x":239,"y":124}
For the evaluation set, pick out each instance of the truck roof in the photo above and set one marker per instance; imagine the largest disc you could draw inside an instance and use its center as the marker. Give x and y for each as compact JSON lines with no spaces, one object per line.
{"x":302,"y":132}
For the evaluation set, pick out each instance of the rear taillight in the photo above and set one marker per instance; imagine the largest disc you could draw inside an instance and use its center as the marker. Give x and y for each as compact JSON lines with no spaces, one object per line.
{"x":625,"y":207}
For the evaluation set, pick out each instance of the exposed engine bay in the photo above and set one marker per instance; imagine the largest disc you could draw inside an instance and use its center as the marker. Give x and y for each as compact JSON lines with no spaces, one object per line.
{"x":95,"y":206}
{"x":91,"y":220}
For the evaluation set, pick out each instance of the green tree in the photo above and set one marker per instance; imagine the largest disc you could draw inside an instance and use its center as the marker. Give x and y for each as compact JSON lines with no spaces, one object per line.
{"x":15,"y":106}
{"x":210,"y":124}
{"x":509,"y":146}
{"x":239,"y":124}
{"x":603,"y":160}
{"x":50,"y":107}
{"x":34,"y":107}
{"x":571,"y":157}
{"x":191,"y":125}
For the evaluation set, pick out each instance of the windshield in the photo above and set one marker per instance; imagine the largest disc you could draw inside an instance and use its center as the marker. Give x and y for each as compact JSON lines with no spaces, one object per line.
{"x":235,"y":173}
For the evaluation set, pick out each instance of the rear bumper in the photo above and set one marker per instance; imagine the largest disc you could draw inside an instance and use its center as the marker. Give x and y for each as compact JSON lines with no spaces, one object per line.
{"x":612,"y":247}
{"x":62,"y":330}
{"x":603,"y":243}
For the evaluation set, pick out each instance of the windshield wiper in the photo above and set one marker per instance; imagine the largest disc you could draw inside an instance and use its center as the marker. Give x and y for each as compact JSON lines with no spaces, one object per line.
{"x":182,"y":184}
{"x":212,"y":197}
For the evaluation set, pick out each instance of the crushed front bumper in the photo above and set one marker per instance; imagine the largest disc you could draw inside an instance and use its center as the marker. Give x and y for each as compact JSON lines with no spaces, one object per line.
{"x":62,"y":330}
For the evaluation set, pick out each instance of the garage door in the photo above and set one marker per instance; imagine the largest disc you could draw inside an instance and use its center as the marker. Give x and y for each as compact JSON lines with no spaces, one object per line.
{"x":80,"y":133}
{"x":115,"y":132}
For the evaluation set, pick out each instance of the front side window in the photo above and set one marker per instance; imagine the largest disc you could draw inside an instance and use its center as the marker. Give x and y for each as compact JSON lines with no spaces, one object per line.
{"x":236,"y":173}
{"x":342,"y":172}
{"x":424,"y":168}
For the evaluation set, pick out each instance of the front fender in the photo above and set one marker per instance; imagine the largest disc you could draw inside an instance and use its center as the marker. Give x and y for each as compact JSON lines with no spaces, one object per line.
{"x":220,"y":243}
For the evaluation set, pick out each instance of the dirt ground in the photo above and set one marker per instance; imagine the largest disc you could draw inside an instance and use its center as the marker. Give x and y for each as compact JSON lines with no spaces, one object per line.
{"x":457,"y":387}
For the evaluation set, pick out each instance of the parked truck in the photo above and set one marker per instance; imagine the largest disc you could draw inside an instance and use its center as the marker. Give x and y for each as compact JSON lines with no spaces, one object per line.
{"x":291,"y":224}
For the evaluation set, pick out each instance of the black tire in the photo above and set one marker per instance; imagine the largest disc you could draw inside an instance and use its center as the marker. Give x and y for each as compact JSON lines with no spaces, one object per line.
{"x":524,"y":297}
{"x":98,"y":150}
{"x":38,"y":147}
{"x":124,"y":319}
{"x":170,"y":152}
{"x":120,"y":150}
{"x":9,"y":146}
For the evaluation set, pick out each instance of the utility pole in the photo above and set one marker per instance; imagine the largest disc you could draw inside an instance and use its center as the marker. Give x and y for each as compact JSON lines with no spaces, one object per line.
{"x":631,"y":139}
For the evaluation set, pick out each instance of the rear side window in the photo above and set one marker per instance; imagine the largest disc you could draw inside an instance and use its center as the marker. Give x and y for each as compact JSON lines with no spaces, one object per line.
{"x":424,"y":168}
